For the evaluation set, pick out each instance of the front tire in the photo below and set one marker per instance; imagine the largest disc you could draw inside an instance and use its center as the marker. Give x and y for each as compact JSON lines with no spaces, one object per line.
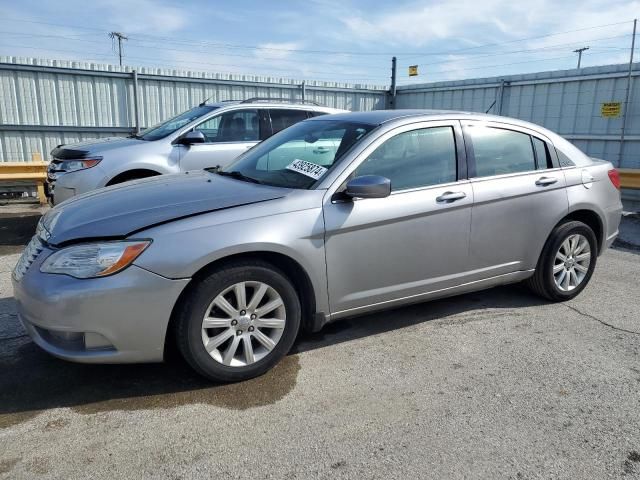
{"x":238,"y":322}
{"x":567,"y":262}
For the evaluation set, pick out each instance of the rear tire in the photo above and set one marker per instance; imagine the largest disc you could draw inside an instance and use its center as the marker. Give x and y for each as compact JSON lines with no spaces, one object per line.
{"x":253,"y":337}
{"x":566,"y":263}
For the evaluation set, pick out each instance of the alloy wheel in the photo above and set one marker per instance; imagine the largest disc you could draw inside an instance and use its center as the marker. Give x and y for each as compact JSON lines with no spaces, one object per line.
{"x":243,"y":323}
{"x":571,"y":263}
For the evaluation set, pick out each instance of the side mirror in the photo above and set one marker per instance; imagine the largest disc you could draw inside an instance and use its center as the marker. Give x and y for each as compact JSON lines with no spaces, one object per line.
{"x":368,"y":186}
{"x":189,"y":138}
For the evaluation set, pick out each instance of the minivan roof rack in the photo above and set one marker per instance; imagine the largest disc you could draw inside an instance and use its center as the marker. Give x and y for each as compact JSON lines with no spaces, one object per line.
{"x":278,"y":100}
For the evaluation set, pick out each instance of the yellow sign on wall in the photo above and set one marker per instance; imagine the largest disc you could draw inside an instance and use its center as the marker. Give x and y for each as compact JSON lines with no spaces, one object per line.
{"x":610,"y":109}
{"x":413,"y":70}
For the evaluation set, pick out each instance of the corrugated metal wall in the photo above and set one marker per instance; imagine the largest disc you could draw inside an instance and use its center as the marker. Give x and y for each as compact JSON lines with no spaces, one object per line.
{"x":46,"y":103}
{"x":567,"y":102}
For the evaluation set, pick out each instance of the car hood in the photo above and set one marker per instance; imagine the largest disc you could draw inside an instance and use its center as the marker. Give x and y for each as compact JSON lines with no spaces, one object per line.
{"x":121,"y":210}
{"x":93,"y":147}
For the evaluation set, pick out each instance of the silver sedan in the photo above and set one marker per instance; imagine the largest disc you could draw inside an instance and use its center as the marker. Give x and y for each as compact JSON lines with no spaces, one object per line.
{"x":336,"y":216}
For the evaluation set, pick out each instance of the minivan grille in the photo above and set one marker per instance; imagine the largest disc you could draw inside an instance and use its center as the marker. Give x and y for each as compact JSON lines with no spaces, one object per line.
{"x":28,"y":256}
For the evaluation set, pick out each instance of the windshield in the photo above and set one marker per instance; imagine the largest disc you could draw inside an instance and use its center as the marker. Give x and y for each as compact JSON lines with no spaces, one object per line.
{"x":169,"y":126}
{"x":300,"y":155}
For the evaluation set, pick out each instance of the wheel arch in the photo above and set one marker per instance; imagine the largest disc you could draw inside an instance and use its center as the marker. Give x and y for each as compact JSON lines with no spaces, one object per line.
{"x":288,"y":266}
{"x":592,"y":219}
{"x":132,"y":174}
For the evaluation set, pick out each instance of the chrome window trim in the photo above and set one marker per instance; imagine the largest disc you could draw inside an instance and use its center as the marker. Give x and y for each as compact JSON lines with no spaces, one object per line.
{"x":514,"y":174}
{"x":385,"y":134}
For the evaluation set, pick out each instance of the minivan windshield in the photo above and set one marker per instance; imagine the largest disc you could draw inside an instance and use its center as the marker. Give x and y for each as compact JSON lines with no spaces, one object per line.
{"x":300,"y":155}
{"x":167,"y":127}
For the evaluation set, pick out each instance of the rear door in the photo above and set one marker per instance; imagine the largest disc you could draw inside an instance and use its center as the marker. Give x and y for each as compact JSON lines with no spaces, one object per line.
{"x":519,"y":195}
{"x":282,"y":118}
{"x":227,"y":135}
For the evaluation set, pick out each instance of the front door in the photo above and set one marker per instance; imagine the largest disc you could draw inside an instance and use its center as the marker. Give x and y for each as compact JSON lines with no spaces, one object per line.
{"x":381,"y":251}
{"x":226,"y":136}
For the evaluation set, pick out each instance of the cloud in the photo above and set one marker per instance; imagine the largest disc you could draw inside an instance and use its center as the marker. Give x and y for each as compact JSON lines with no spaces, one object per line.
{"x":144,"y":16}
{"x":418,"y":24}
{"x":276,"y":50}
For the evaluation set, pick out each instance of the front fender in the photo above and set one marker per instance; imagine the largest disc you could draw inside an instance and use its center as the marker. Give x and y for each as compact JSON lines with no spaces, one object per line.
{"x":182,"y":248}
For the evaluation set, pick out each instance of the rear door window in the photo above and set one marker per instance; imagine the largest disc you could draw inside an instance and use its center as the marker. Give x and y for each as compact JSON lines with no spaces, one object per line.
{"x":283,"y":118}
{"x":233,"y":126}
{"x":498,"y":151}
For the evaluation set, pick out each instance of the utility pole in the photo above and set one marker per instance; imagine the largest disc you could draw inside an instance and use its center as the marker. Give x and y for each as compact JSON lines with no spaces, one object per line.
{"x":628,"y":94}
{"x":392,"y":89}
{"x":579,"y":52}
{"x":120,"y":37}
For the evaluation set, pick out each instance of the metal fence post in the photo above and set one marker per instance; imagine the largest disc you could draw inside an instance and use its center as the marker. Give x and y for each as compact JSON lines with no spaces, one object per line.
{"x":500,"y":96}
{"x":392,"y":88}
{"x":628,"y":95}
{"x":136,"y":105}
{"x":304,"y":90}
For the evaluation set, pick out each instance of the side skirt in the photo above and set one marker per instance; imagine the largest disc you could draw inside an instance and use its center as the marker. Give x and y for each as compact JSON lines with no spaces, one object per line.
{"x":483,"y":284}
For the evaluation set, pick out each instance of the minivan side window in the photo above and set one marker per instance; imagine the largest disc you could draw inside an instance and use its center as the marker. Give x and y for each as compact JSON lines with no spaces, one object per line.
{"x":498,"y":151}
{"x":282,"y":118}
{"x":417,"y":158}
{"x":234,"y":126}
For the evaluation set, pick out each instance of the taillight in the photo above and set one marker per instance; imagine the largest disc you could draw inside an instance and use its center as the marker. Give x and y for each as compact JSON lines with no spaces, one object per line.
{"x":614,"y":176}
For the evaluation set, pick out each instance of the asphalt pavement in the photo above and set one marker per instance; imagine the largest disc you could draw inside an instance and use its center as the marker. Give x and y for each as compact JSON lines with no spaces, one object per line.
{"x":494,"y":384}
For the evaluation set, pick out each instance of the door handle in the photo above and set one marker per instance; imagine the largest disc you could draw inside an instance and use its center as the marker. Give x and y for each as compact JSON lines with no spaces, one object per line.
{"x":321,"y":150}
{"x":544,"y":181}
{"x":448,"y":197}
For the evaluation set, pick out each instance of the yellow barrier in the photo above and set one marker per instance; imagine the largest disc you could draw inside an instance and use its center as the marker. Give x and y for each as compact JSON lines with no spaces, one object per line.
{"x":36,"y":170}
{"x":629,"y":178}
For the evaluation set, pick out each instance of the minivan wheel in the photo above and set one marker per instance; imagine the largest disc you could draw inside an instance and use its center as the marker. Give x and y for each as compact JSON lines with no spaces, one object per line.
{"x":238,"y":322}
{"x":566,"y":263}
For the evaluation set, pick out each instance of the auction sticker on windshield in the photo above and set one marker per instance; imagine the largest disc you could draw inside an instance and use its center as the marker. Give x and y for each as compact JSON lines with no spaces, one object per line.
{"x":307,"y":168}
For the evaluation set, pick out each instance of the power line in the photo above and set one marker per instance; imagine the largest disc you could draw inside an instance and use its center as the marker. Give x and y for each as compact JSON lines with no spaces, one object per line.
{"x":476,"y":56}
{"x":509,"y":64}
{"x":308,"y":51}
{"x":549,"y":47}
{"x":148,"y":59}
{"x":528,"y":38}
{"x":153,"y":47}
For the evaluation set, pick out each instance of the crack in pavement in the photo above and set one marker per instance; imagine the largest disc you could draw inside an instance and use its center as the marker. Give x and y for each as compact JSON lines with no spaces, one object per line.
{"x":579,"y":312}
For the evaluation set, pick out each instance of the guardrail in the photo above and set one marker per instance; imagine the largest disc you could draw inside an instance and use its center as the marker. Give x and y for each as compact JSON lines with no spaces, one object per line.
{"x":629,"y":178}
{"x":35,"y":171}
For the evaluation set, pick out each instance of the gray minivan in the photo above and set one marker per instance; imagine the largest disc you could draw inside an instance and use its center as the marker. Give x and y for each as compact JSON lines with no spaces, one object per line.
{"x":205,"y":136}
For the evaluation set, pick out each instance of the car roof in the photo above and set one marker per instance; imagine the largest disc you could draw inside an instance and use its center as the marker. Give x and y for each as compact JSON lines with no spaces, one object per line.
{"x":378,"y":117}
{"x":275,"y":104}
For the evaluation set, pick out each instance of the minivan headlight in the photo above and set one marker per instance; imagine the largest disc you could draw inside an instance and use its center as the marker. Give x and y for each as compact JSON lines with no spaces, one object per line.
{"x":92,"y":260}
{"x":75,"y":165}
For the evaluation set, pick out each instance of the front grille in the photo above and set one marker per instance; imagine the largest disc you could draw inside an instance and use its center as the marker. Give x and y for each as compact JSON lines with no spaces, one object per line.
{"x":28,"y":256}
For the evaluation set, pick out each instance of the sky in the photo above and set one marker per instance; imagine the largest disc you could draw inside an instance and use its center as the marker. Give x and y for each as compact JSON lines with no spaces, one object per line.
{"x":349,"y":41}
